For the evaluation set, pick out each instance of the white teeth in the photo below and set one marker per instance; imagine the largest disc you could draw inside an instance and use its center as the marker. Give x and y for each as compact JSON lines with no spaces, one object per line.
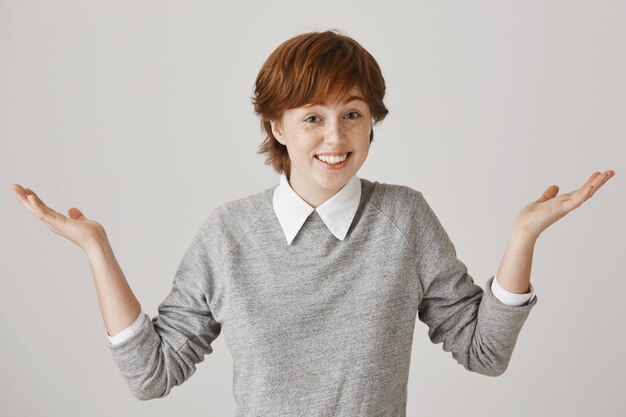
{"x":332,"y":159}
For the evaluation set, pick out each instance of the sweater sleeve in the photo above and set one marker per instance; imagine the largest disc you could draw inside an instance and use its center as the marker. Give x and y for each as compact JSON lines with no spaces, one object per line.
{"x":476,"y":327}
{"x":165,"y":349}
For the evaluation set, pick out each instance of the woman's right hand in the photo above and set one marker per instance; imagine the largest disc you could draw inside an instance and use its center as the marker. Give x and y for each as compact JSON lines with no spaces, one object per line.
{"x":82,"y":231}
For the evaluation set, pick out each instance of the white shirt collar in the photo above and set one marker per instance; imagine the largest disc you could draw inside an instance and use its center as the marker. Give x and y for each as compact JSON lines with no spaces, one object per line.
{"x":337,"y":212}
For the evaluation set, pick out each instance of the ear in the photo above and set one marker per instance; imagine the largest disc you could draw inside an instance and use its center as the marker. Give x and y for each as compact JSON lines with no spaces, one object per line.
{"x":277,"y":130}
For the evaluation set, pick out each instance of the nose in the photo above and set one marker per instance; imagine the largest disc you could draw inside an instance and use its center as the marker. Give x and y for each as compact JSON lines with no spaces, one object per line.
{"x":334,"y":132}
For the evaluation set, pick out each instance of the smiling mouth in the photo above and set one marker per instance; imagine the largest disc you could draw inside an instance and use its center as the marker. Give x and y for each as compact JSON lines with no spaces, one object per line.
{"x":334,"y":160}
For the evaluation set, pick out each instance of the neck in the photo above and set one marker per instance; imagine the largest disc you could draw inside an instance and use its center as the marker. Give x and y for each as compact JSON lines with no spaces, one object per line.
{"x":314,"y":198}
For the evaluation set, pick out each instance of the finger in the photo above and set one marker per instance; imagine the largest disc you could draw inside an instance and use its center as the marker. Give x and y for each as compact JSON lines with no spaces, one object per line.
{"x":21,"y":195}
{"x":39,"y":201}
{"x":46,"y":214}
{"x":28,"y":192}
{"x":609,"y":174}
{"x":586,"y":187}
{"x":574,"y":199}
{"x":76,"y":214}
{"x":49,"y":213}
{"x":599,"y":181}
{"x":18,"y":191}
{"x":549,"y":193}
{"x":590,"y":180}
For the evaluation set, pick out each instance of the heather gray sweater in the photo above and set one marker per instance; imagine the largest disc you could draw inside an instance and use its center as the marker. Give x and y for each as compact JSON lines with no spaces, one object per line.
{"x":321,"y":327}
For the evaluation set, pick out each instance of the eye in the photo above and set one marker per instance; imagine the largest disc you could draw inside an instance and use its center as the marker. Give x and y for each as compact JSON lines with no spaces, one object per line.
{"x":356,"y":115}
{"x":308,"y":119}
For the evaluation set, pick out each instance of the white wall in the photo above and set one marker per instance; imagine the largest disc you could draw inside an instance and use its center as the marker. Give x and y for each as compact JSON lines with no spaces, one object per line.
{"x":139,"y":114}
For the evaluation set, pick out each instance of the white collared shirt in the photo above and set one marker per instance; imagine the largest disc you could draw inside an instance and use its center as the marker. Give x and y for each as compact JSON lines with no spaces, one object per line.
{"x":337,"y":212}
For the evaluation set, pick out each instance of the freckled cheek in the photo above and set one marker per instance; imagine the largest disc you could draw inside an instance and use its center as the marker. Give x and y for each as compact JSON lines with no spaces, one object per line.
{"x":305,"y":141}
{"x":360,"y":129}
{"x":301,"y":151}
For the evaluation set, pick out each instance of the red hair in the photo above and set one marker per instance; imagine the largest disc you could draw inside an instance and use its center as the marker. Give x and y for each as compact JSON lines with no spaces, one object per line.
{"x":308,"y":69}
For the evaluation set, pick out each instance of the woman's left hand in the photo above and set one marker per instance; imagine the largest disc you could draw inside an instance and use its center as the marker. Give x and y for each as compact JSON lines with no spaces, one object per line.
{"x":536,"y":217}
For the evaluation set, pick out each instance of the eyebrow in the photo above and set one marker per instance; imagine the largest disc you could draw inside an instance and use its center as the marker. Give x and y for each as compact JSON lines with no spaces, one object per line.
{"x":349,"y":99}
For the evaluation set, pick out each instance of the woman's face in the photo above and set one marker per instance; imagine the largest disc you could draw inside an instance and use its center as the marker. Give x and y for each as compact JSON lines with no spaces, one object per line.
{"x":334,"y":127}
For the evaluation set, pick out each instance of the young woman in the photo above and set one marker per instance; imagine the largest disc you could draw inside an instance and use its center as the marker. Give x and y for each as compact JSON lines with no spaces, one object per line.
{"x":316,"y":282}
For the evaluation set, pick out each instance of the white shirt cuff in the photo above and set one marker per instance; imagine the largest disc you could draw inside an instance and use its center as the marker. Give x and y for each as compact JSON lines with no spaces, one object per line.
{"x":511,"y":298}
{"x":128,"y":332}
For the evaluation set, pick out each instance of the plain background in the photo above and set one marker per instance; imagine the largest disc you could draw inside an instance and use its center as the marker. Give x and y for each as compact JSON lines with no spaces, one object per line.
{"x":139,"y":114}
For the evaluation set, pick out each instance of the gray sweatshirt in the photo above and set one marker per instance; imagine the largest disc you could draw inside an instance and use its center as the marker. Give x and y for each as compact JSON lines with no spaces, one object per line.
{"x":320,"y":327}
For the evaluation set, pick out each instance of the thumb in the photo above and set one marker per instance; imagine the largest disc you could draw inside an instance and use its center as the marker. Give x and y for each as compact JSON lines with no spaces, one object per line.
{"x":549,"y":193}
{"x":76,"y":214}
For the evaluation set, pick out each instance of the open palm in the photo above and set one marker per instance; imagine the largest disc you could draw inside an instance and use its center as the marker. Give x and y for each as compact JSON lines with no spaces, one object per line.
{"x":550,"y":207}
{"x":77,"y":228}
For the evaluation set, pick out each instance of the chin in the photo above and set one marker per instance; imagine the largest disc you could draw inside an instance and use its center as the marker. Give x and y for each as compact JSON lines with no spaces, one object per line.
{"x":337,"y":182}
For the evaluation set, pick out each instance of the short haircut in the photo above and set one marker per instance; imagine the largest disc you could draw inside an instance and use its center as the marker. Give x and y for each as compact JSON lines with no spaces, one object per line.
{"x":307,"y":69}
